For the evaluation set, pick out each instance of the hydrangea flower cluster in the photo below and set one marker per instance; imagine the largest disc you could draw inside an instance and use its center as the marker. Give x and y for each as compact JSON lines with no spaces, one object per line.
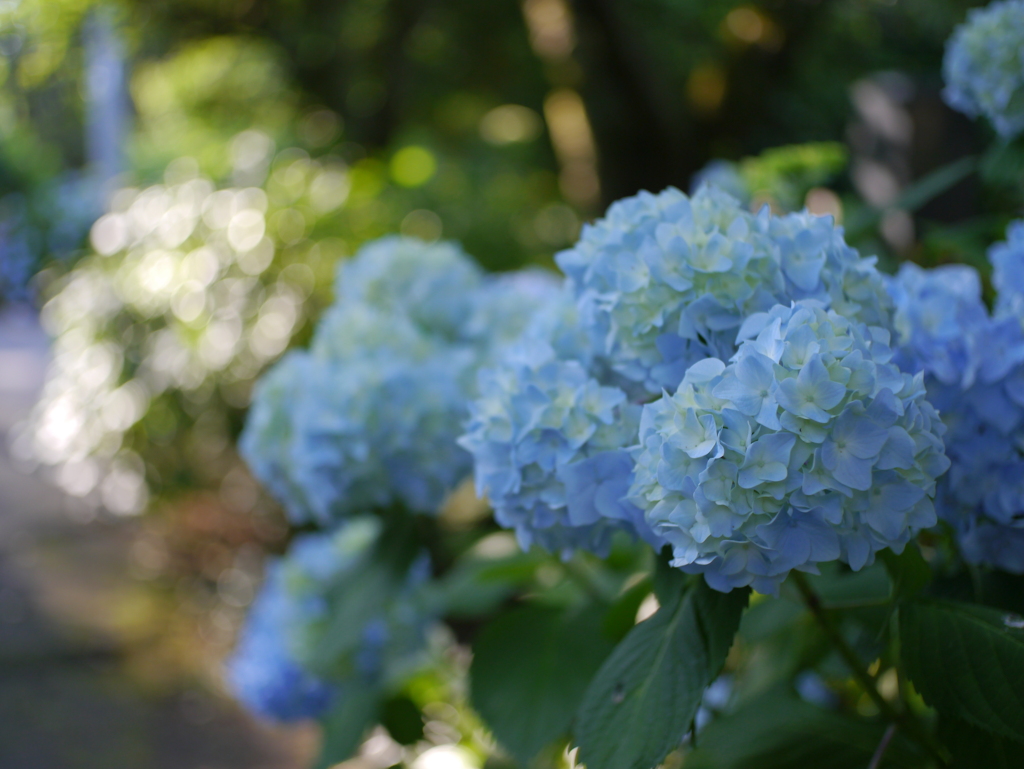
{"x":264,"y":672}
{"x":974,"y":368}
{"x":369,"y":415}
{"x":433,"y":285}
{"x":1007,"y":260}
{"x":809,"y":446}
{"x":984,"y":66}
{"x":940,"y":322}
{"x":664,"y":281}
{"x":548,"y":445}
{"x":271,"y":670}
{"x":725,"y":175}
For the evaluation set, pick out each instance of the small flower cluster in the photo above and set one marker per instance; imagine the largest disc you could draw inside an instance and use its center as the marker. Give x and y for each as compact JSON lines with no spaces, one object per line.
{"x":264,"y":672}
{"x":432,"y":285}
{"x":664,"y":281}
{"x":809,"y":446}
{"x":271,"y":670}
{"x":1007,"y":260}
{"x":974,"y":369}
{"x":547,"y":441}
{"x":369,"y":416}
{"x":726,"y":176}
{"x":984,"y":66}
{"x":940,"y":322}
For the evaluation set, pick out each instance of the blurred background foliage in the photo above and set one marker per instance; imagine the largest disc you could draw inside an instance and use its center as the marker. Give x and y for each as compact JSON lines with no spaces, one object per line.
{"x":532,"y":116}
{"x":178,"y":179}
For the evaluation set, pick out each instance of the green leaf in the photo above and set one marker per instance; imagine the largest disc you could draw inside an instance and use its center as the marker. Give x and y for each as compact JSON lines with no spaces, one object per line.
{"x":530,"y":669}
{"x":403,"y":719}
{"x":357,"y":596}
{"x":840,"y":588}
{"x":769,"y":616}
{"x":669,"y":582}
{"x":974,"y":748}
{"x":621,"y":615}
{"x":778,"y":730}
{"x":478,"y":586}
{"x":967,"y":661}
{"x":909,"y":571}
{"x":350,"y":610}
{"x":643,"y":700}
{"x":916,"y":195}
{"x":1003,"y":164}
{"x":346,"y":723}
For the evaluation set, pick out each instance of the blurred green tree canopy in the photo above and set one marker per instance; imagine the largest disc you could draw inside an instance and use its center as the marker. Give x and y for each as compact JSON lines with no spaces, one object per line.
{"x":666,"y":85}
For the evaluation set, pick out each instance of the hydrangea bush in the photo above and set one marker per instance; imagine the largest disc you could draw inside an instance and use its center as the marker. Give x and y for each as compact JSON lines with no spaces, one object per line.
{"x":722,"y":423}
{"x":663,"y":282}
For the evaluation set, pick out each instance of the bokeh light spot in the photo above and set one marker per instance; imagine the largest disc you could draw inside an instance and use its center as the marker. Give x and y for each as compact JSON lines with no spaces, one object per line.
{"x":705,"y":88}
{"x":510,"y":123}
{"x":422,"y":224}
{"x":413,"y":166}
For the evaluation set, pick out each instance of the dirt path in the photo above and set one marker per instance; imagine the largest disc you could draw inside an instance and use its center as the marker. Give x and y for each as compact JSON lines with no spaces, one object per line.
{"x":77,"y":684}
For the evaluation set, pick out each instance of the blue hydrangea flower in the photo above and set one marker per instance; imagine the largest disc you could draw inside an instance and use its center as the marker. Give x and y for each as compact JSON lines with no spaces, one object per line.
{"x":363,"y":420}
{"x":264,"y":672}
{"x":548,"y":447}
{"x":271,"y":672}
{"x":939,"y":321}
{"x":809,"y":446}
{"x":265,"y":442}
{"x":370,"y":415}
{"x":433,"y":284}
{"x":1007,"y":260}
{"x":666,"y":280}
{"x":984,"y":66}
{"x":351,"y":331}
{"x":726,"y":176}
{"x":993,"y":544}
{"x":511,"y":306}
{"x":982,"y":496}
{"x":974,"y":372}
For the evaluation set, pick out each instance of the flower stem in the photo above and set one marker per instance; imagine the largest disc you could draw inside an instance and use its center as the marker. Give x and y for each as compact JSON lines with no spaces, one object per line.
{"x":876,"y":760}
{"x":915,"y":196}
{"x":910,"y":725}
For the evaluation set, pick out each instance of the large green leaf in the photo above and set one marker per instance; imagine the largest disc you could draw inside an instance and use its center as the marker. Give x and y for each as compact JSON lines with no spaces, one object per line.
{"x":530,"y":669}
{"x":974,"y":748}
{"x":967,"y":662}
{"x":352,"y":607}
{"x":668,"y":582}
{"x":477,"y":586}
{"x":778,"y":730}
{"x":839,"y":588}
{"x":621,"y":615}
{"x":644,"y":699}
{"x":347,"y":722}
{"x":909,"y":571}
{"x":403,"y":719}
